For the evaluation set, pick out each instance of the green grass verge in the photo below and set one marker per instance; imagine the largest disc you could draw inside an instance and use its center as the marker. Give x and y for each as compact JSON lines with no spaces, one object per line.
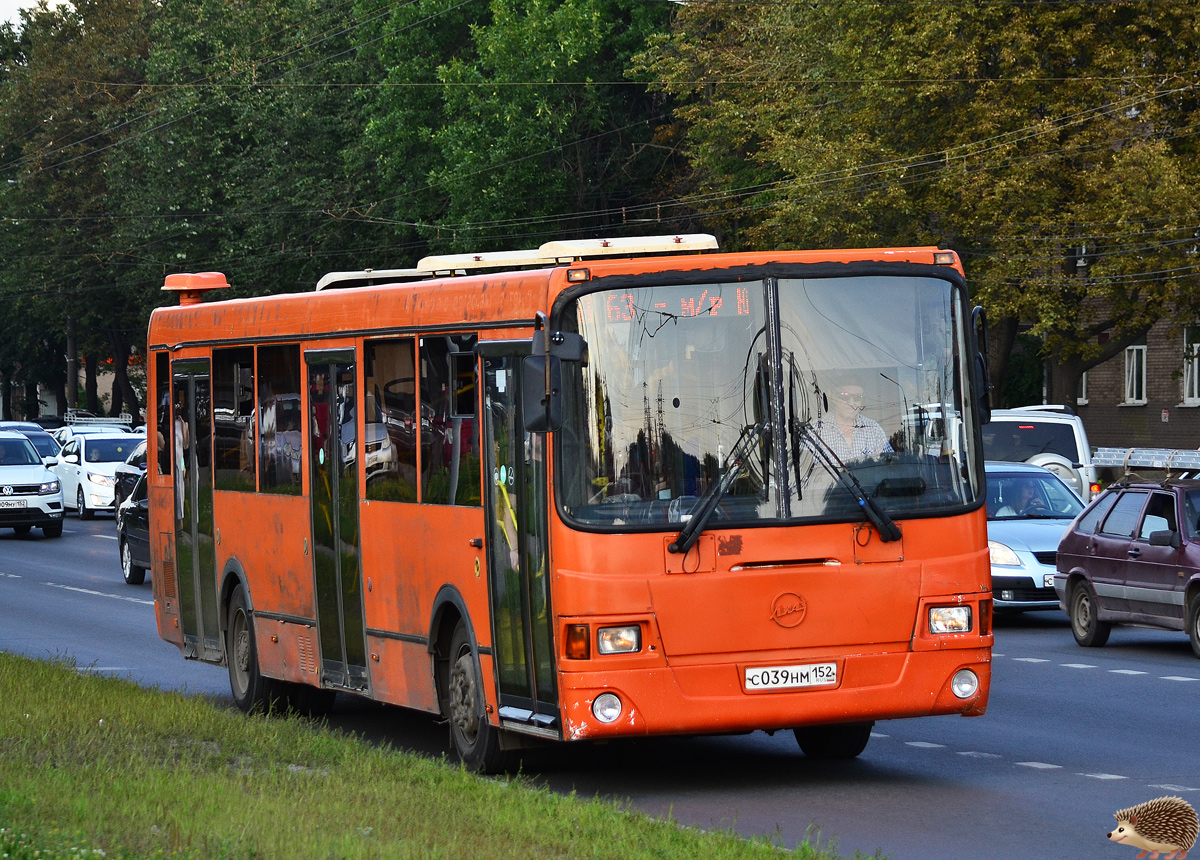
{"x":96,"y":767}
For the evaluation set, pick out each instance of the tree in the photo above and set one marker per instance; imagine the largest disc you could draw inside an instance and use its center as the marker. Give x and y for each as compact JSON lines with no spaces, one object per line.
{"x":73,"y":77}
{"x":508,"y":124}
{"x":1052,"y":144}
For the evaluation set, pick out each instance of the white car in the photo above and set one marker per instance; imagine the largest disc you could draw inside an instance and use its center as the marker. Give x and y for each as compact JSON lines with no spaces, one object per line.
{"x":30,"y":494}
{"x":87,"y":468}
{"x":1048,"y":436}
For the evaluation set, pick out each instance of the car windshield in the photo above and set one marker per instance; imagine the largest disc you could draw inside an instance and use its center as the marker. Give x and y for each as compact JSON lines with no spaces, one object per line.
{"x":109,"y":450}
{"x":44,"y":444}
{"x":1028,"y":495}
{"x":790,"y":398}
{"x":18,"y":452}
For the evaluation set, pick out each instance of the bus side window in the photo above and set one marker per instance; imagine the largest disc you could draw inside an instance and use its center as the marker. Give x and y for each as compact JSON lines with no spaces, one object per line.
{"x":162,"y":415}
{"x":449,"y":423}
{"x":390,"y":405}
{"x":280,"y":424}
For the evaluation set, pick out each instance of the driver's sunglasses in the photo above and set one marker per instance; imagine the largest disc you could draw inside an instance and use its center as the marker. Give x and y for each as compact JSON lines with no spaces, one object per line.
{"x":852,"y":396}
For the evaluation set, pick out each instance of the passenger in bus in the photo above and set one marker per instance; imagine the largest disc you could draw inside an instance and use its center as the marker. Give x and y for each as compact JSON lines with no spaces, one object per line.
{"x":850,"y":434}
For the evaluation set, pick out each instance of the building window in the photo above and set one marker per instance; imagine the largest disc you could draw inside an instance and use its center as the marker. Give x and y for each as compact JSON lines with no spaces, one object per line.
{"x":1081,"y":393}
{"x":1191,"y":366}
{"x":1135,"y":375}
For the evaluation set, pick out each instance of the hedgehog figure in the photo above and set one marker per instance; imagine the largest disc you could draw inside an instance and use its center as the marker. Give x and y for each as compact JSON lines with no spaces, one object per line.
{"x":1166,"y":825}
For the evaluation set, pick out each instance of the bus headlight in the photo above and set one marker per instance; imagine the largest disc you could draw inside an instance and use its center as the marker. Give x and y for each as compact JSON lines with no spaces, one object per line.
{"x":964,"y":684}
{"x":949,"y":619}
{"x":607,"y":707}
{"x":619,"y":640}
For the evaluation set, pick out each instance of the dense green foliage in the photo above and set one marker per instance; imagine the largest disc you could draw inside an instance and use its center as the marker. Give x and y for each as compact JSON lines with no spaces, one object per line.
{"x":1053,"y":144}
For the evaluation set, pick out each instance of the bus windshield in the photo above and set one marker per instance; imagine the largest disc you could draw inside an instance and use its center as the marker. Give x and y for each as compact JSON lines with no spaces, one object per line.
{"x":776,"y":400}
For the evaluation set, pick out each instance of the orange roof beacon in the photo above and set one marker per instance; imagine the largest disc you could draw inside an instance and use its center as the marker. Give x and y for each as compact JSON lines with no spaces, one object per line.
{"x":598,"y":489}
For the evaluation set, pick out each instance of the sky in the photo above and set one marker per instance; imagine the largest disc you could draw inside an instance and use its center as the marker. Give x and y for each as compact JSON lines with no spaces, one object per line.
{"x":8,"y":9}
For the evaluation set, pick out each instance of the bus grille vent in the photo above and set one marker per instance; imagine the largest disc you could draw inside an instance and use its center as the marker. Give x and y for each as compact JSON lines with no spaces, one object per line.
{"x":307,"y":663}
{"x":169,"y":589}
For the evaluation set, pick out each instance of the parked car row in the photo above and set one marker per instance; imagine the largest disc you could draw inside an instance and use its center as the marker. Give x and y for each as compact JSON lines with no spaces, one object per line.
{"x":90,"y":463}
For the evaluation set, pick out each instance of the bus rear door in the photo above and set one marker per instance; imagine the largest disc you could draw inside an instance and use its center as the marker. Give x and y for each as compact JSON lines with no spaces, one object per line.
{"x":194,"y":545}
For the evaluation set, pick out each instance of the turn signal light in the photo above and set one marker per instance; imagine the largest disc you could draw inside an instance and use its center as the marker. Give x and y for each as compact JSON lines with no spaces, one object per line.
{"x":579,"y":642}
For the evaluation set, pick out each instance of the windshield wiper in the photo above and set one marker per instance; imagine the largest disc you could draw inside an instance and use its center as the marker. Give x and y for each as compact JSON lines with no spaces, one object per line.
{"x":828,"y":458}
{"x":707,"y":503}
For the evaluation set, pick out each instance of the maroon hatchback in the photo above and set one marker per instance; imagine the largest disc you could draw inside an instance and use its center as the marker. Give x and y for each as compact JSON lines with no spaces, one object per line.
{"x":1133,"y":557}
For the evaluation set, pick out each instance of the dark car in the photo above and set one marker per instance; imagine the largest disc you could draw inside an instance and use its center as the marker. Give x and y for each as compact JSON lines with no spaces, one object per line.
{"x":1133,"y":557}
{"x":42,"y":441}
{"x":128,"y":472}
{"x":133,"y":534}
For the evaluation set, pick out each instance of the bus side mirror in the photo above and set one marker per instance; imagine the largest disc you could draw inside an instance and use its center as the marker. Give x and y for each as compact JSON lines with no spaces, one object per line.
{"x":542,"y":409}
{"x":541,"y":374}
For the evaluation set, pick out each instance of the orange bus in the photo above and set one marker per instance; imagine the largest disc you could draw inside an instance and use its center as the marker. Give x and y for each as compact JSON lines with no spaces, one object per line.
{"x":598,"y":489}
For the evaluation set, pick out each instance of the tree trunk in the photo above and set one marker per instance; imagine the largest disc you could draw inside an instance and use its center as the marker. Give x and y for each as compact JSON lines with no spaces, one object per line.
{"x":72,"y":387}
{"x":124,"y":394}
{"x":89,"y":385}
{"x":1002,"y":334}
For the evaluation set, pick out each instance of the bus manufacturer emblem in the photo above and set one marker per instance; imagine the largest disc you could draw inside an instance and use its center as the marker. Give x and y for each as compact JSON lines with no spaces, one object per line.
{"x":788,"y":609}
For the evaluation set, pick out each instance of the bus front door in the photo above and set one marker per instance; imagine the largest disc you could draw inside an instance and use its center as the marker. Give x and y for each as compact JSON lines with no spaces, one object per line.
{"x":336,"y":550}
{"x":195,"y":557}
{"x":518,"y":579}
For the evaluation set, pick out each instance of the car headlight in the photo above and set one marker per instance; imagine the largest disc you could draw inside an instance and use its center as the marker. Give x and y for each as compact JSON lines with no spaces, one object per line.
{"x":49,"y":488}
{"x":1003,"y":555}
{"x":102,"y":480}
{"x":949,"y":619}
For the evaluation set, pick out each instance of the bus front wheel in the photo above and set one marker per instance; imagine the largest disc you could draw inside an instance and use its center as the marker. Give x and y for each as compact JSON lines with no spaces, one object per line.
{"x":476,"y":741}
{"x":833,"y":742}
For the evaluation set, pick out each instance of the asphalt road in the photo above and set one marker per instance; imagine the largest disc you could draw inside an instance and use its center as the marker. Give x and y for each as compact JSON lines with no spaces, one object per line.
{"x":1071,"y":735}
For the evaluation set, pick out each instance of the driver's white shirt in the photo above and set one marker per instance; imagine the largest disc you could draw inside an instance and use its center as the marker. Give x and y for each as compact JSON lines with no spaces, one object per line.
{"x":867,"y":440}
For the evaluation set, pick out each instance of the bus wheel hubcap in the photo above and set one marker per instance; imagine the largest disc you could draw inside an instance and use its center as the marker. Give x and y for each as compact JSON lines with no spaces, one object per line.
{"x":463,"y":712}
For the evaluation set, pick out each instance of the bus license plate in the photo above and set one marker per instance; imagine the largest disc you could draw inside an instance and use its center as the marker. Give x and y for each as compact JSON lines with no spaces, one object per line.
{"x":791,"y":677}
{"x":12,"y":503}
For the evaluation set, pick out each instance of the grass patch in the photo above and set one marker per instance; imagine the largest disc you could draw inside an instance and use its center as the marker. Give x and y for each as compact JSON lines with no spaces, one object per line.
{"x":94,"y":767}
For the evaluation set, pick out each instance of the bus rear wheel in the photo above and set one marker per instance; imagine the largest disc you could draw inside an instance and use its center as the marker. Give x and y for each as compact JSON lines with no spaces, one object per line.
{"x":834,"y":742}
{"x":476,"y":741}
{"x":252,"y":691}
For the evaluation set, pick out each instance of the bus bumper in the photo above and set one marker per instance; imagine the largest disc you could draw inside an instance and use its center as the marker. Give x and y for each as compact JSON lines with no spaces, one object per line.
{"x":714,"y":699}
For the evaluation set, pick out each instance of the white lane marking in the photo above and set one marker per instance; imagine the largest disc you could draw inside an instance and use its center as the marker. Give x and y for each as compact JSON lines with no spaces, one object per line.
{"x":1178,"y":678}
{"x":1039,"y":765}
{"x":1077,"y":665}
{"x":1103,"y":776}
{"x":1127,"y":672}
{"x":1029,"y":660}
{"x":879,"y":735}
{"x":1169,"y":787}
{"x":100,"y":594}
{"x":10,"y":576}
{"x":925,"y":745}
{"x":106,"y":537}
{"x":973,"y":754}
{"x":82,"y":669}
